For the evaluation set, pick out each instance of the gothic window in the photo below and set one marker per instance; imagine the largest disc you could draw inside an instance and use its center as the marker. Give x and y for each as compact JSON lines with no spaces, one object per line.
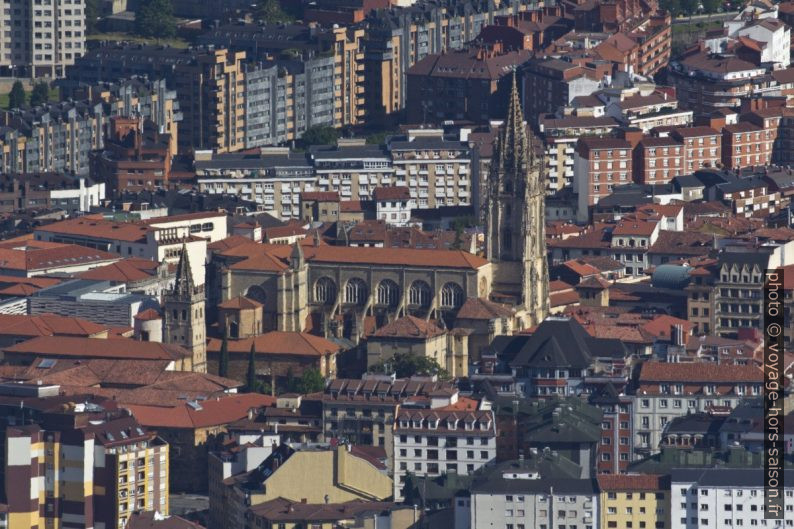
{"x":419,"y":294}
{"x":451,"y":296}
{"x":388,"y":293}
{"x":256,"y":293}
{"x":325,"y":291}
{"x":507,"y":239}
{"x":355,"y":292}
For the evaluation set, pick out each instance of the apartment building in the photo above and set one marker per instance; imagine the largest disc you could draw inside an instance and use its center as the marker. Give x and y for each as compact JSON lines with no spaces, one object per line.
{"x":746,"y":144}
{"x":738,"y":286}
{"x":41,"y":39}
{"x":438,"y":170}
{"x":560,"y":135}
{"x":214,"y":83}
{"x":88,"y":464}
{"x":616,"y":447}
{"x":634,"y":501}
{"x":725,"y":497}
{"x":453,"y":434}
{"x":49,"y":191}
{"x":275,"y":179}
{"x":354,"y":171}
{"x":657,"y":160}
{"x":471,"y":84}
{"x":363,"y":411}
{"x":519,"y":497}
{"x":53,"y":137}
{"x":599,"y":165}
{"x":750,"y":196}
{"x":398,"y":38}
{"x":631,"y":239}
{"x":701,"y":147}
{"x":549,"y":84}
{"x":669,"y":390}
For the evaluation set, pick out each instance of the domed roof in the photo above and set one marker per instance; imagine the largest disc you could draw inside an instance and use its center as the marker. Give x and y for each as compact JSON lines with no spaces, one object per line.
{"x":671,"y":276}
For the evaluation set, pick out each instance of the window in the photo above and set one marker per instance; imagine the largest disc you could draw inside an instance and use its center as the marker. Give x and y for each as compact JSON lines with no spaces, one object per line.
{"x":356,"y":291}
{"x":388,"y":293}
{"x":325,"y":291}
{"x":419,"y":294}
{"x":451,"y":296}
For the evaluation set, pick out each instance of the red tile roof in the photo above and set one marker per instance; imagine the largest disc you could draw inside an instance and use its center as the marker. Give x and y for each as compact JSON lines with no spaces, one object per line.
{"x":320,"y":196}
{"x":392,"y":193}
{"x":698,"y":373}
{"x":210,"y":412}
{"x":40,"y":255}
{"x":47,"y":325}
{"x":275,"y":257}
{"x":279,"y":342}
{"x":112,"y":348}
{"x":632,"y":482}
{"x":409,"y":327}
{"x":148,"y":315}
{"x":483,"y":309}
{"x":97,"y":227}
{"x":240,"y":302}
{"x":126,"y":270}
{"x":635,"y":227}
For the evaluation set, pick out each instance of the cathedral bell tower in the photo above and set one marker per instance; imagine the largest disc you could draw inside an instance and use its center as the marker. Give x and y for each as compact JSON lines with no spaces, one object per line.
{"x":515,"y":219}
{"x":183,"y":323}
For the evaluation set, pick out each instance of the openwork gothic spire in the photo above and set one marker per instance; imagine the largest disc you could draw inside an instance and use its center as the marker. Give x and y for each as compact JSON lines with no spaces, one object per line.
{"x":184,"y":276}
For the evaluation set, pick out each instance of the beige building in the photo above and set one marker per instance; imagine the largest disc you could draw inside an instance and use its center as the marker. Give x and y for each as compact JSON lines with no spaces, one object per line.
{"x":340,"y":291}
{"x":335,"y":475}
{"x":42,"y":39}
{"x":213,"y":83}
{"x":419,"y":337}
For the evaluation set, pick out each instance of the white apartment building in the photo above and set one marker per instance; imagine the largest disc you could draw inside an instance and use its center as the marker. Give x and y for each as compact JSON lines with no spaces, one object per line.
{"x":520,"y":499}
{"x":454,"y":434}
{"x":720,"y":498}
{"x":41,"y":37}
{"x":393,"y":205}
{"x":670,"y":390}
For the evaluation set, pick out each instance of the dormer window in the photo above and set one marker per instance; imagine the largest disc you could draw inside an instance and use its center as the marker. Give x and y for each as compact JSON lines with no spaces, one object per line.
{"x":433,"y":423}
{"x":417,"y":423}
{"x":403,"y":423}
{"x":452,"y":424}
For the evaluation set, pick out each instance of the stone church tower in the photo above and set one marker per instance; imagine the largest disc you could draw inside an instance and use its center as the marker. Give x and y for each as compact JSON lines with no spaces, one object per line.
{"x":183,"y":323}
{"x":515,"y":219}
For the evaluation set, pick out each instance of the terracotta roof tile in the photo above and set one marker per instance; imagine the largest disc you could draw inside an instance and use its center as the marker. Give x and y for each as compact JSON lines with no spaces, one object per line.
{"x":409,"y":327}
{"x":698,"y":373}
{"x":47,"y":325}
{"x":632,"y":482}
{"x":211,"y":413}
{"x":279,"y":342}
{"x":126,"y":270}
{"x":392,"y":193}
{"x":40,"y":255}
{"x":240,"y":302}
{"x":112,"y":348}
{"x":483,"y":309}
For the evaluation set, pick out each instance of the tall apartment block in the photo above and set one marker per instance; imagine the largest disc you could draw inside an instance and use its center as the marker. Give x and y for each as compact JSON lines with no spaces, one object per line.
{"x":82,"y":466}
{"x":41,"y":37}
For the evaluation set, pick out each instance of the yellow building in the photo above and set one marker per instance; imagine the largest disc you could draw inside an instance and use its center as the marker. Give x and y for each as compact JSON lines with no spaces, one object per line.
{"x":634,"y":501}
{"x":316,"y":476}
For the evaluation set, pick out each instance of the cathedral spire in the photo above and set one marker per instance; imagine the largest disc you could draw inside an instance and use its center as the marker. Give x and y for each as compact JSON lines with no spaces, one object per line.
{"x":512,"y":139}
{"x":184,"y":276}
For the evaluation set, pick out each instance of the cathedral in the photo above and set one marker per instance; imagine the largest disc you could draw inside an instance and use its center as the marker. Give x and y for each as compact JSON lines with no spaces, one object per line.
{"x":183,"y":308}
{"x":515,"y":213}
{"x":350,"y":292}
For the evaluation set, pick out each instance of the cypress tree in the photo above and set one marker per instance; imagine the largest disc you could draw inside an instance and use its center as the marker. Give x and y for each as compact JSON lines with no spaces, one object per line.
{"x":251,"y":375}
{"x":223,"y":361}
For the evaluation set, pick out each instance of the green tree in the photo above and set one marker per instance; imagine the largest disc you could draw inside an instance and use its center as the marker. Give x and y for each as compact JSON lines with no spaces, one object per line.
{"x":410,"y":490}
{"x":405,"y":365}
{"x":320,"y":135}
{"x":223,"y":361}
{"x":155,"y":18}
{"x":689,"y":7}
{"x":16,"y":98}
{"x":271,"y":12}
{"x":711,"y":6}
{"x":311,"y":381}
{"x":40,"y":94}
{"x":673,"y":6}
{"x":251,"y":385}
{"x":91,"y":16}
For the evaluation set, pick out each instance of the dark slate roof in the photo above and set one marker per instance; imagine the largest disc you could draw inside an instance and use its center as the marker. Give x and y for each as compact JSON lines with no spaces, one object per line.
{"x":563,"y":342}
{"x":724,"y":477}
{"x":494,"y":483}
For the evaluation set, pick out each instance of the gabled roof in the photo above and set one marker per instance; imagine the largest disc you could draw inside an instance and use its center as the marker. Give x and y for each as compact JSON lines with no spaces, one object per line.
{"x":279,"y":342}
{"x":47,"y":325}
{"x":562,"y":342}
{"x":483,"y":309}
{"x":126,"y":270}
{"x":239,"y":303}
{"x":409,"y":327}
{"x":208,"y":413}
{"x":41,"y":255}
